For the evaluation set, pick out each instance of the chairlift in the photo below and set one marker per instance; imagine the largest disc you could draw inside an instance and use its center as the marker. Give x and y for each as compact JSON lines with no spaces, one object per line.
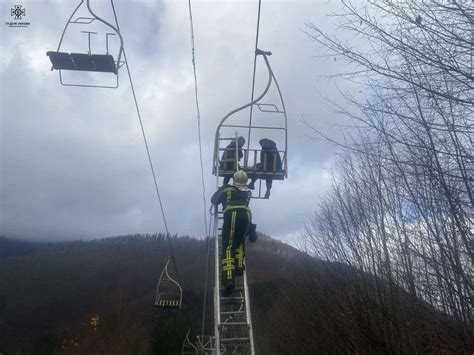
{"x":206,"y":344}
{"x":169,"y":294}
{"x":89,"y":62}
{"x":188,"y":348}
{"x":258,"y":163}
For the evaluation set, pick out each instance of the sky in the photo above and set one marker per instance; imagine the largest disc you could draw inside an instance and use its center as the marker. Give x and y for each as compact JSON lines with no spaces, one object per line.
{"x":73,"y":163}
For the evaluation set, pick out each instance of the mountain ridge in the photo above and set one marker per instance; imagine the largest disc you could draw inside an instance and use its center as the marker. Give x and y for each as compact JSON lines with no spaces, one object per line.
{"x":48,"y":297}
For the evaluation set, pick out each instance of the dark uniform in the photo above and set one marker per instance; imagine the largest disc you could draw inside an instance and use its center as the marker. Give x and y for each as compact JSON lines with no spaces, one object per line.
{"x":229,"y":164}
{"x":270,"y":161}
{"x":237,"y":219}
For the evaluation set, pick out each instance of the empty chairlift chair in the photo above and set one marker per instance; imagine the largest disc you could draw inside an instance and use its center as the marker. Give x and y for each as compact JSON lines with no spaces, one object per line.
{"x":188,"y":348}
{"x":89,"y":62}
{"x":169,"y":294}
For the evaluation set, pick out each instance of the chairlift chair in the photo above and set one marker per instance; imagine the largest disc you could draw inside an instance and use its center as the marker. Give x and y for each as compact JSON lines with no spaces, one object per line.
{"x":226,"y":165}
{"x":88,"y":62}
{"x":206,"y":344}
{"x":169,"y":294}
{"x":188,"y":348}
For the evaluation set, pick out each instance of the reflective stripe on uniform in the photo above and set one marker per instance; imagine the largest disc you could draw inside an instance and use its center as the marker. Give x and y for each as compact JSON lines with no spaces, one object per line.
{"x":228,"y":262}
{"x":239,"y":255}
{"x":237,"y":207}
{"x":229,"y":194}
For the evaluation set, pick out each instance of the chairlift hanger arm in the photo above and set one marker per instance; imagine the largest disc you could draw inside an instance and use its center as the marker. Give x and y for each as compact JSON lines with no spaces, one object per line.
{"x":67,"y":23}
{"x":270,"y":78}
{"x":169,"y":293}
{"x":286,"y":119}
{"x":257,"y":101}
{"x":116,"y":29}
{"x":95,"y":17}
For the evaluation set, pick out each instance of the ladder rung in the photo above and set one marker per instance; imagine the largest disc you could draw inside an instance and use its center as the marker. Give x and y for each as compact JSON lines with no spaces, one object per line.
{"x":234,"y":323}
{"x":234,"y":340}
{"x":235,"y":303}
{"x":240,"y":299}
{"x":234,"y":312}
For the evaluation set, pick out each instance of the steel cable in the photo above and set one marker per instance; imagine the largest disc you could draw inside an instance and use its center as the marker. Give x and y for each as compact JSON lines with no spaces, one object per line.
{"x":253,"y":80}
{"x":148,"y":152}
{"x":207,"y":231}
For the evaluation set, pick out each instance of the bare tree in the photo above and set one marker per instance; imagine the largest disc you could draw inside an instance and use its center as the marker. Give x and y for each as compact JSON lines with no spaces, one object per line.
{"x":401,"y":203}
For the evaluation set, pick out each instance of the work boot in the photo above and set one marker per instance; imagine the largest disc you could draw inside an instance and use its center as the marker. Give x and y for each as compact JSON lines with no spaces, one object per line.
{"x":251,"y":186}
{"x":239,"y":271}
{"x":267,"y":194}
{"x":228,"y":288}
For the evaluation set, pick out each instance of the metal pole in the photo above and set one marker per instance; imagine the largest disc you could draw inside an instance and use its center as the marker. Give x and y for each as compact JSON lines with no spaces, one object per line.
{"x":253,"y":79}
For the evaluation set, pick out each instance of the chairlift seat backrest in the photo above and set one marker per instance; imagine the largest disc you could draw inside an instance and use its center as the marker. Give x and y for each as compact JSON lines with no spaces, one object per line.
{"x":83,"y":62}
{"x":269,"y":166}
{"x":104,"y":63}
{"x":61,"y":60}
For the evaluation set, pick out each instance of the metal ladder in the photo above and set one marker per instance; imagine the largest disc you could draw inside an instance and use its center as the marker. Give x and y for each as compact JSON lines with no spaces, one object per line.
{"x":232,"y":319}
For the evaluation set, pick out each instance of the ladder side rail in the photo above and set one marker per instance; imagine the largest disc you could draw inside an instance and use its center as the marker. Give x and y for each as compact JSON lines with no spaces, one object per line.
{"x":236,"y":161}
{"x":215,"y":160}
{"x":217,"y":315}
{"x":248,"y":315}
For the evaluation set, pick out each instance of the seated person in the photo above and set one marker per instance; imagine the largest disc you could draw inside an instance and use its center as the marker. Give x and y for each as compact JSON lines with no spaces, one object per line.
{"x":270,"y":162}
{"x":229,"y":158}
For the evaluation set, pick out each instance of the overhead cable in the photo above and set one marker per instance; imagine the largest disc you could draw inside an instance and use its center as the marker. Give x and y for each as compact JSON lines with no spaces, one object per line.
{"x":204,"y":204}
{"x":253,"y":77}
{"x":148,"y":152}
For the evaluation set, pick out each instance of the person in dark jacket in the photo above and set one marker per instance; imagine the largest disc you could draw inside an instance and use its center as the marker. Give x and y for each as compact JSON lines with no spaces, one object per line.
{"x":229,"y":164}
{"x":235,"y":200}
{"x":270,"y":162}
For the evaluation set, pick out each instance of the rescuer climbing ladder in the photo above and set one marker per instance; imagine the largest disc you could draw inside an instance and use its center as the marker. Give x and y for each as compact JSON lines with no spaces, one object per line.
{"x":232,"y":318}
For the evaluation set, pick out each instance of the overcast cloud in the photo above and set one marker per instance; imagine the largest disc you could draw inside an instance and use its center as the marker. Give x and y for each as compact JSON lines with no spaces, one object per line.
{"x":73,"y":162}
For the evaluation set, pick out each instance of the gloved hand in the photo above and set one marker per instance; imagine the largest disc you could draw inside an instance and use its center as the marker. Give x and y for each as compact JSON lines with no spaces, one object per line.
{"x":253,"y":233}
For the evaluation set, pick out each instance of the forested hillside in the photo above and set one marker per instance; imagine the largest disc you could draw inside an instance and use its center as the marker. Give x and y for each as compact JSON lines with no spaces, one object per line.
{"x":18,"y":247}
{"x":300,"y":305}
{"x":400,"y":205}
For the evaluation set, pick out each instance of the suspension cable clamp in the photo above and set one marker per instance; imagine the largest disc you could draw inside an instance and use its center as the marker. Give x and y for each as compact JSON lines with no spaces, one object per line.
{"x":260,"y":52}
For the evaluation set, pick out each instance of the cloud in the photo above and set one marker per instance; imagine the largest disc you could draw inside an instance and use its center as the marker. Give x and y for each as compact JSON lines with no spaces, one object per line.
{"x":73,"y":162}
